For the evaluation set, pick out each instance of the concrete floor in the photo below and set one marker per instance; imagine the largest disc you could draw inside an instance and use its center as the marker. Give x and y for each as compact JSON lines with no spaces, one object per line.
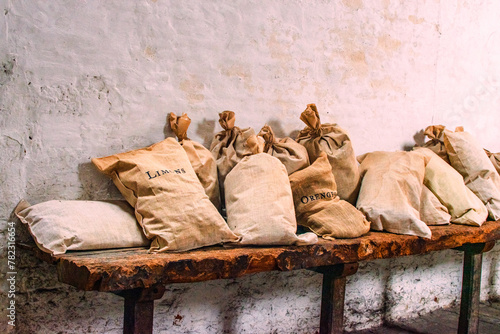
{"x":443,"y":321}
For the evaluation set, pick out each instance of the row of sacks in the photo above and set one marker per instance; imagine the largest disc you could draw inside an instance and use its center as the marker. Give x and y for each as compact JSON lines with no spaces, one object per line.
{"x":266,"y":187}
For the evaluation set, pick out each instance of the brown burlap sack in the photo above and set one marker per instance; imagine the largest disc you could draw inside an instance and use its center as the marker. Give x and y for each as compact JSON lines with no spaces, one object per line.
{"x":259,"y":203}
{"x":318,"y":207}
{"x":432,"y":212}
{"x":436,"y":141}
{"x":292,"y":154}
{"x":335,"y":142}
{"x":469,"y":159}
{"x":390,"y":192}
{"x":495,"y":159}
{"x":201,"y":158}
{"x":169,"y":200}
{"x":448,"y":185}
{"x":229,"y":146}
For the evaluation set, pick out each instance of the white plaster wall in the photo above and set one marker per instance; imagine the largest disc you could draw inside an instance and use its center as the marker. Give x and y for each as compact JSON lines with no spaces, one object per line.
{"x":91,"y":78}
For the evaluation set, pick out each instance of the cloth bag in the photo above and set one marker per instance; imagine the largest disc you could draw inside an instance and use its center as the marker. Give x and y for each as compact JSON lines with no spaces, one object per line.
{"x":469,"y":159}
{"x":448,"y":185}
{"x":201,"y":158}
{"x":390,"y":192}
{"x":230,"y":145}
{"x":169,"y":200}
{"x":335,"y":142}
{"x":318,"y":207}
{"x":432,"y":211}
{"x":436,"y":142}
{"x":293,"y":155}
{"x":495,"y":159}
{"x":259,"y":202}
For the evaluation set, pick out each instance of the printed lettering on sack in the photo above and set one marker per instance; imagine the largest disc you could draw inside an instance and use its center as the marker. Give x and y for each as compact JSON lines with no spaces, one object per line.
{"x":315,"y":197}
{"x":161,"y":172}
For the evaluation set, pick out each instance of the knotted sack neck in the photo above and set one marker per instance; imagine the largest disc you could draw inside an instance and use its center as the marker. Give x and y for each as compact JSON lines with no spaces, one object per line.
{"x":310,"y":117}
{"x":435,"y":133}
{"x":267,"y":133}
{"x":179,"y":125}
{"x":226,"y":121}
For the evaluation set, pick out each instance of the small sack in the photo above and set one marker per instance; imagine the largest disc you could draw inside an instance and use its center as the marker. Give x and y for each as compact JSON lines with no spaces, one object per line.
{"x":318,"y":207}
{"x":169,"y":201}
{"x":480,"y":176}
{"x":288,"y":151}
{"x":432,"y":212}
{"x":259,"y":203}
{"x":390,"y":192}
{"x":495,"y":159}
{"x":448,"y":185}
{"x":436,"y":141}
{"x":335,"y":142}
{"x":229,"y":146}
{"x":201,"y":158}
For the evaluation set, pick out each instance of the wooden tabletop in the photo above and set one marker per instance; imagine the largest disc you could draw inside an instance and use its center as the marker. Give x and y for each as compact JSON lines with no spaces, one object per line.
{"x":122,"y":269}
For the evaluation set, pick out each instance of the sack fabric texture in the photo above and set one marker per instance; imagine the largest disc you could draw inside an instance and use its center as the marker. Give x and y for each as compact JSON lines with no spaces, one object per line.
{"x":318,"y":207}
{"x":390,"y":192}
{"x":169,"y":200}
{"x":495,"y":159}
{"x":448,"y":185}
{"x":469,"y":159}
{"x":335,"y":142}
{"x":202,"y":160}
{"x":259,"y":203}
{"x":432,"y":211}
{"x":60,"y":226}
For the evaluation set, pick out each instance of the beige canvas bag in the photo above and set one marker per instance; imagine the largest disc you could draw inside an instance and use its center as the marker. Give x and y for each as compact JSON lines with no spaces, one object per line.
{"x":495,"y":159}
{"x":288,"y":151}
{"x":448,"y":185}
{"x":335,"y":142}
{"x":259,"y":203}
{"x":469,"y":159}
{"x":229,"y":146}
{"x":201,"y":158}
{"x":318,"y":207}
{"x":432,"y":212}
{"x":169,"y":201}
{"x":436,"y":141}
{"x":390,"y":192}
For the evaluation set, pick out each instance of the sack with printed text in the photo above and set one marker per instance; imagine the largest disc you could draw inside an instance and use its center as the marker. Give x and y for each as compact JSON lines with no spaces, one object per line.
{"x":201,"y":158}
{"x":335,"y":142}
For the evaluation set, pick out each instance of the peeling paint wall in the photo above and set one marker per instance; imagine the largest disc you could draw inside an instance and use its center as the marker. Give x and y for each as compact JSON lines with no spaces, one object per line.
{"x":87,"y":79}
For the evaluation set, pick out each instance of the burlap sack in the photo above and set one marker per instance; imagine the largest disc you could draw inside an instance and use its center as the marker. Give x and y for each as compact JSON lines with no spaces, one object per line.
{"x":335,"y":142}
{"x":495,"y":159}
{"x":259,"y":203}
{"x":229,"y":146}
{"x":432,"y":212}
{"x":169,"y":201}
{"x":288,"y":151}
{"x":480,"y":176}
{"x":201,"y":158}
{"x":390,"y":192}
{"x":448,"y":185}
{"x":436,"y":141}
{"x":318,"y":207}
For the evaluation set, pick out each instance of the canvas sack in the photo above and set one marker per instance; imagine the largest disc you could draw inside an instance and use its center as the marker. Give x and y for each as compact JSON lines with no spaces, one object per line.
{"x":436,"y":142}
{"x":229,"y":146}
{"x":335,"y":142}
{"x":432,"y":212}
{"x":390,"y":192}
{"x":259,"y":203}
{"x":169,"y":200}
{"x":288,"y":151}
{"x":448,"y":185}
{"x":201,"y":158}
{"x":495,"y":159}
{"x":480,"y":176}
{"x":318,"y":207}
{"x":60,"y":226}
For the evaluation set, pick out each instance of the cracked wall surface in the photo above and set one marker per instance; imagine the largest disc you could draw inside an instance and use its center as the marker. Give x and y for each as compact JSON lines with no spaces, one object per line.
{"x":87,"y":79}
